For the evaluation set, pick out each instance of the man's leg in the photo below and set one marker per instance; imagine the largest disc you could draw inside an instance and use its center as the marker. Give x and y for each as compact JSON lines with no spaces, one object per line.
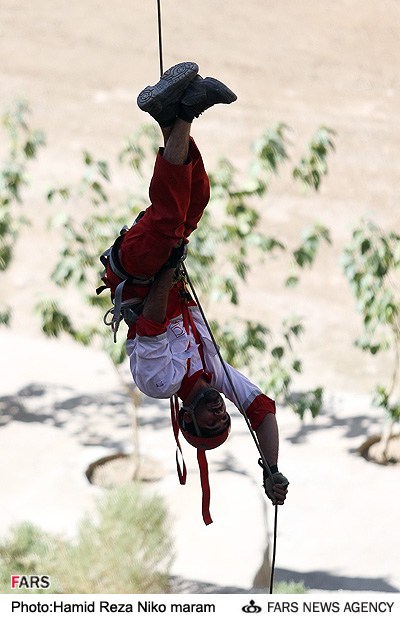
{"x":148,"y":244}
{"x":176,"y":140}
{"x":200,"y":193}
{"x":181,"y":148}
{"x":179,"y":181}
{"x":200,"y":95}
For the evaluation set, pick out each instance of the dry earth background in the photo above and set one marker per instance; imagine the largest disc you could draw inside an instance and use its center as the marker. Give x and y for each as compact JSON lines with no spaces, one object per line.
{"x":80,"y":65}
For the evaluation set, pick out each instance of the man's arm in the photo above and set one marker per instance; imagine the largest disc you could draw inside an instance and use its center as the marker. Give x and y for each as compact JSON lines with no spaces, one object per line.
{"x":266,"y":430}
{"x":155,"y":370}
{"x":155,"y":305}
{"x":268,"y":438}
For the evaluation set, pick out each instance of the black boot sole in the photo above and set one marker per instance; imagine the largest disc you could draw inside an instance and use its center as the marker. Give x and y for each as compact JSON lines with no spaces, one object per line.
{"x":169,"y":89}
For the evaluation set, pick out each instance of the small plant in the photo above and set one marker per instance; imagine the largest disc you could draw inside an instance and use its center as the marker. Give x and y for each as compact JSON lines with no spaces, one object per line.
{"x":23,"y":552}
{"x":372,"y":266}
{"x":290,"y":588}
{"x":313,"y":166}
{"x":123,"y":548}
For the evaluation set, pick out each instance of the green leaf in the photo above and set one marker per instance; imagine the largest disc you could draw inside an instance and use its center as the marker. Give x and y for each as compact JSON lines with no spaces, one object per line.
{"x":297,"y":366}
{"x":292,"y":281}
{"x":277,"y":352}
{"x":5,"y":316}
{"x":103,"y":170}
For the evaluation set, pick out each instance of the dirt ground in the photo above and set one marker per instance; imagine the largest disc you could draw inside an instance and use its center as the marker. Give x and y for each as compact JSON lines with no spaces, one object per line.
{"x":81,"y":64}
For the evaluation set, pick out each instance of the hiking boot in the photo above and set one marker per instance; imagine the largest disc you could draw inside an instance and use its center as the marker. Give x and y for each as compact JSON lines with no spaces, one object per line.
{"x":162,"y":100}
{"x":202,"y":94}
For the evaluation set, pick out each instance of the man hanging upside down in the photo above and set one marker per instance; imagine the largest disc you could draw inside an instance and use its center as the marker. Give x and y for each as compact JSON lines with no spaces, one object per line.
{"x":170,"y":349}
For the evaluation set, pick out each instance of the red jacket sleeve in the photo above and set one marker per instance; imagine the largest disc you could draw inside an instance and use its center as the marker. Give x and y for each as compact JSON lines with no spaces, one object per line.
{"x":258,"y":409}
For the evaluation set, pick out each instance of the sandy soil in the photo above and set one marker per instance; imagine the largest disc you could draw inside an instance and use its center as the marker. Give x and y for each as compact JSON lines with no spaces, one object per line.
{"x":81,"y":64}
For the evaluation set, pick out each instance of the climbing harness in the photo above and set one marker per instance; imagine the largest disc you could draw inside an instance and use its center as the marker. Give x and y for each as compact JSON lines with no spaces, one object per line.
{"x":129,"y":309}
{"x":115,"y":277}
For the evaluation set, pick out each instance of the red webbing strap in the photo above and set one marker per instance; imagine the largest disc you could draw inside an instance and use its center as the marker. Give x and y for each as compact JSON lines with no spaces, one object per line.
{"x":174,"y":405}
{"x":205,"y":486}
{"x":185,"y":316}
{"x":188,"y":323}
{"x":196,"y":335}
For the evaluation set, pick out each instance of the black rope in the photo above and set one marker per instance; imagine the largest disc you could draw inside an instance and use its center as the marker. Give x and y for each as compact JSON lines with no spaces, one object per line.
{"x":275,"y":534}
{"x":160,"y":46}
{"x":240,"y":406}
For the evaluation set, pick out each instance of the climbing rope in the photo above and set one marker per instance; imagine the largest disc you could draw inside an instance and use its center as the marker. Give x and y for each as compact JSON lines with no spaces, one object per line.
{"x":160,"y":47}
{"x":243,"y":412}
{"x":223,"y":364}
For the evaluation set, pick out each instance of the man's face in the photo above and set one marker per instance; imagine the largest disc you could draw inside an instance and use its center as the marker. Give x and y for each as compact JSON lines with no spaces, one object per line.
{"x":211,"y":413}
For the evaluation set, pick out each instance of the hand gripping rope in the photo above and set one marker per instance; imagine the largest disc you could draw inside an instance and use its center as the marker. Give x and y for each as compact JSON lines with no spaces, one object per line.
{"x":240,"y":406}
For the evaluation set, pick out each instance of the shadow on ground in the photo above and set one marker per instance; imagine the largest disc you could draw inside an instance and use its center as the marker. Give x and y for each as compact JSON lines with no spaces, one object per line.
{"x":313,"y":581}
{"x":353,"y":426}
{"x":85,"y":417}
{"x":88,"y":417}
{"x":323,"y":580}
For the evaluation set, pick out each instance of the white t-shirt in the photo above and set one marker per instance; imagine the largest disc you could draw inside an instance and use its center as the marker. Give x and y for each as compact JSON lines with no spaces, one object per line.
{"x":160,"y":363}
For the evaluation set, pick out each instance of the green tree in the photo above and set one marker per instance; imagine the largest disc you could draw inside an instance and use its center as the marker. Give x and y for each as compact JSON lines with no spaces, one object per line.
{"x":371,"y":263}
{"x":22,"y":144}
